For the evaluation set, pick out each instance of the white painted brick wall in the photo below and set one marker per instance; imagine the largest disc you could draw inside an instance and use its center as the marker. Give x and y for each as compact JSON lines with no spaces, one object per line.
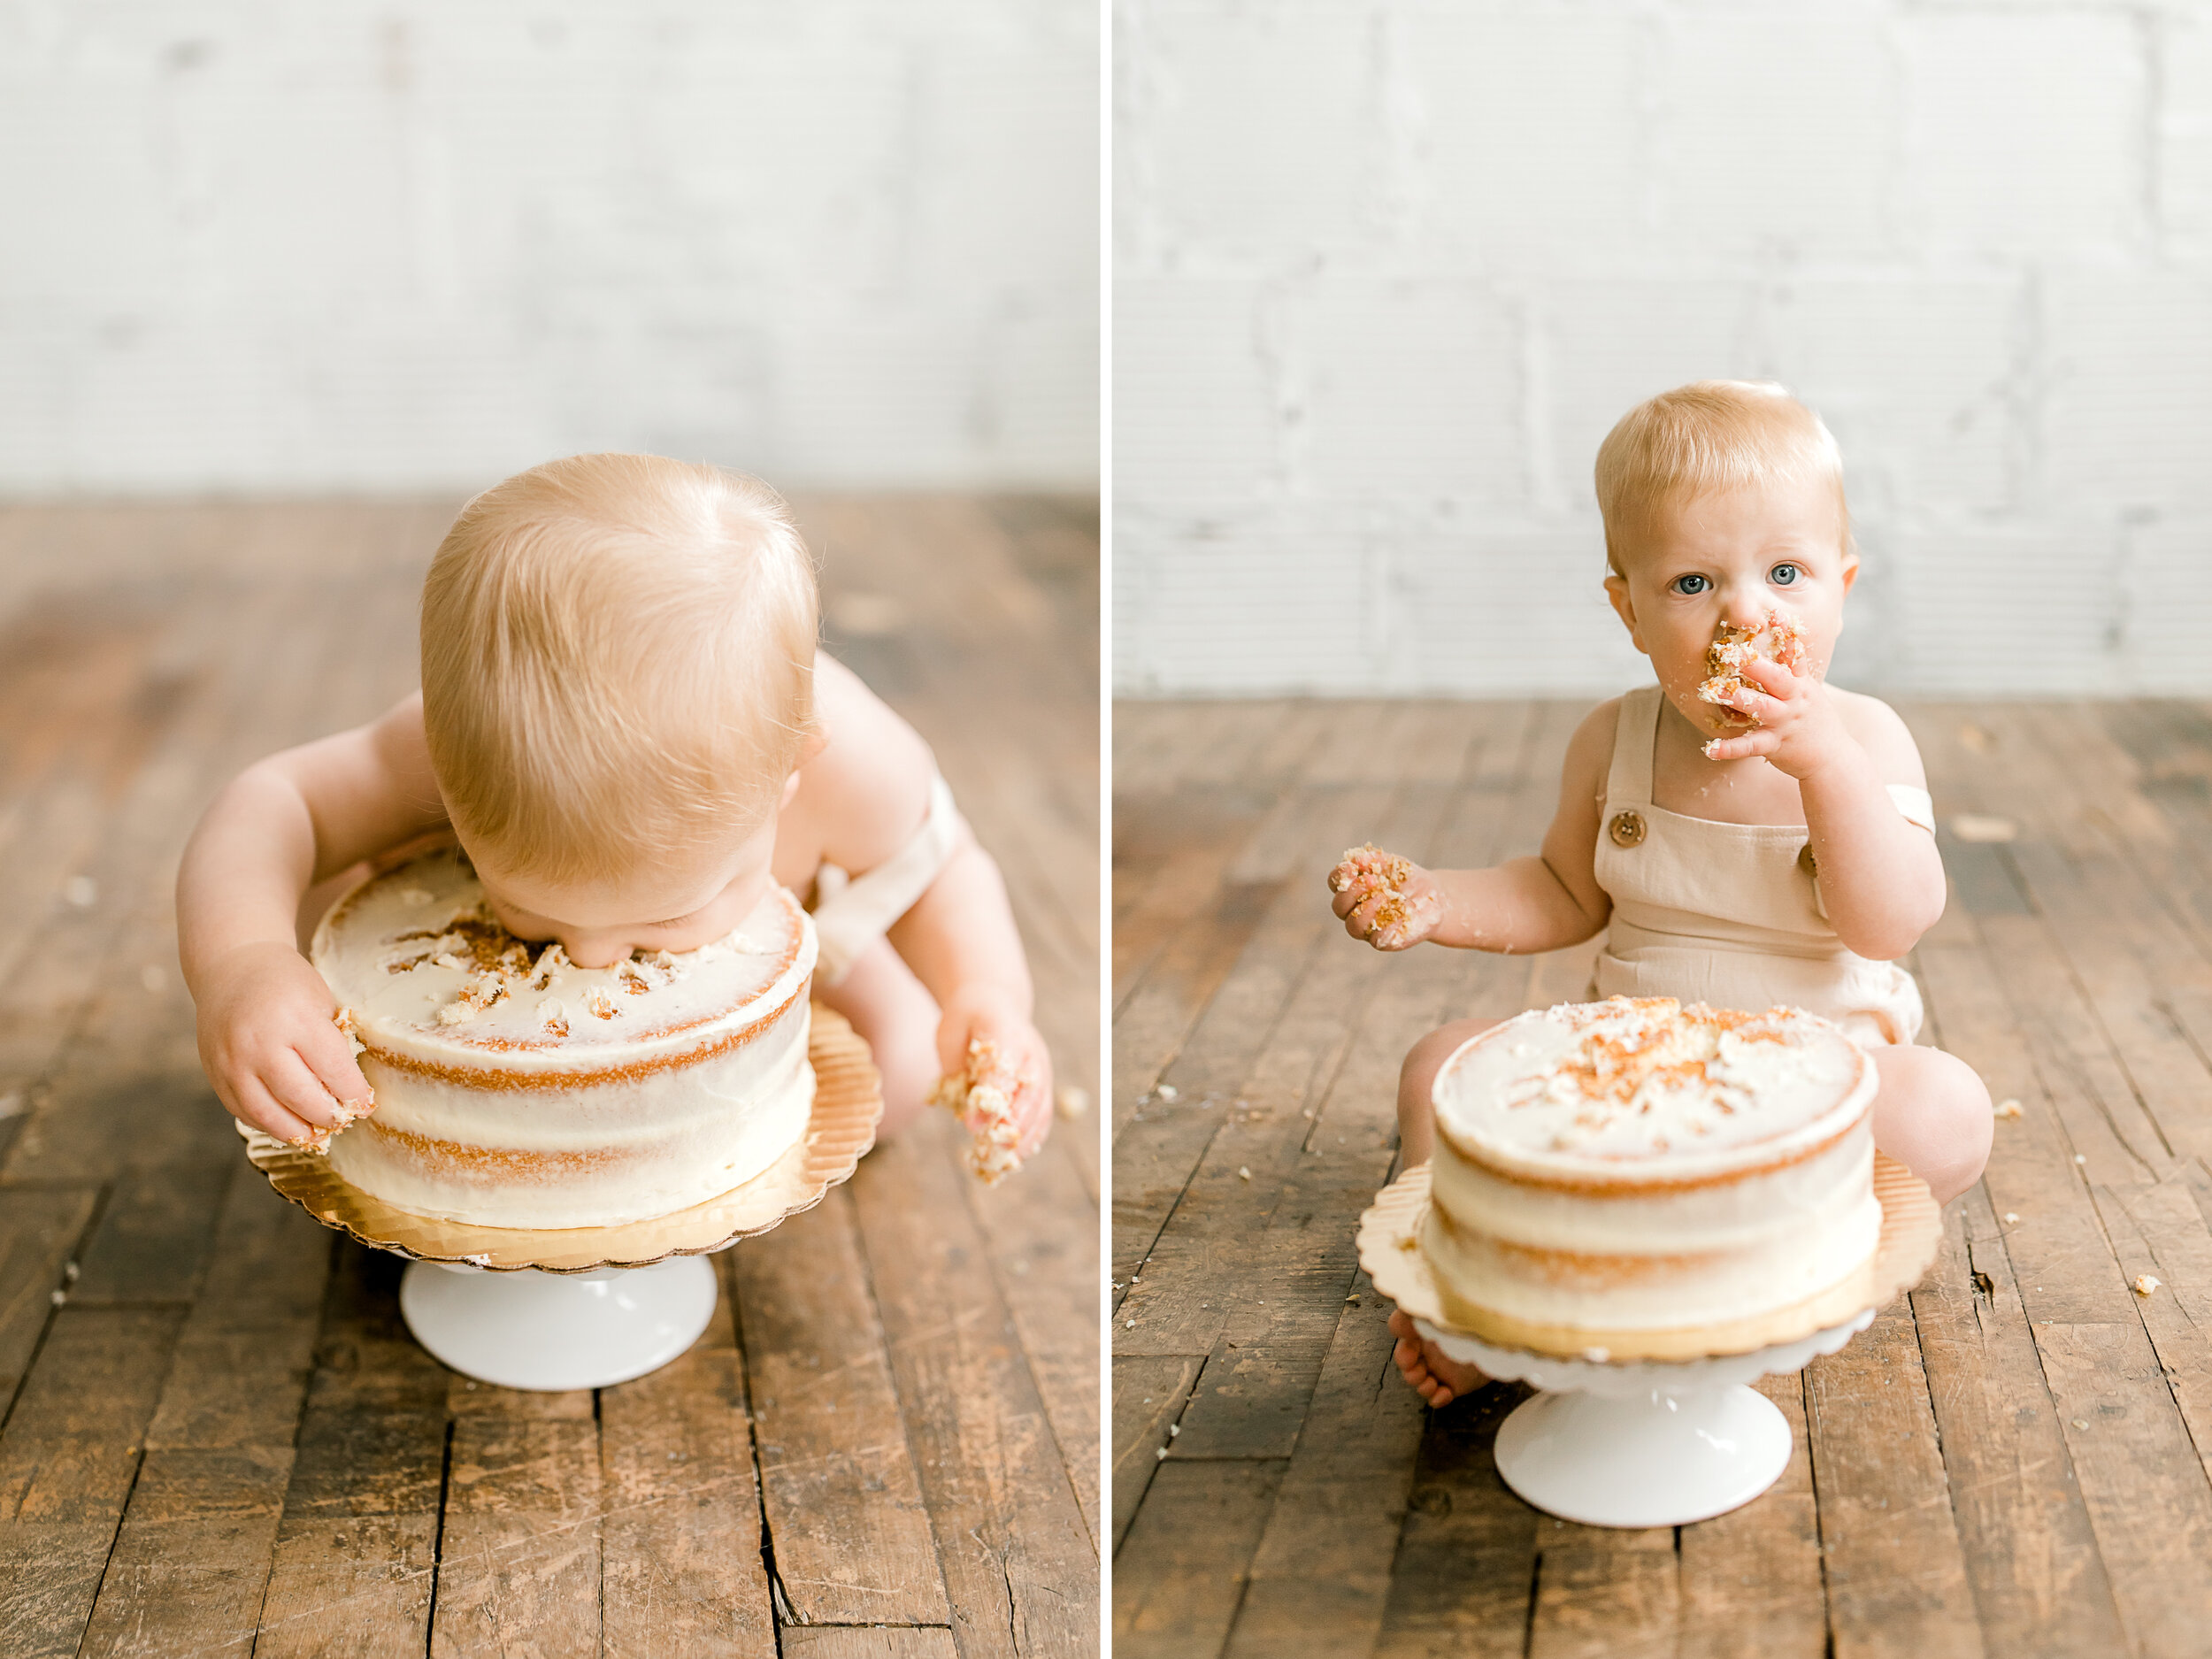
{"x":1389,"y":270}
{"x":412,"y":246}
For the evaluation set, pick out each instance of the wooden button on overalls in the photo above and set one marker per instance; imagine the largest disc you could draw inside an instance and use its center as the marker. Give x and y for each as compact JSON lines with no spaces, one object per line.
{"x":1627,"y":828}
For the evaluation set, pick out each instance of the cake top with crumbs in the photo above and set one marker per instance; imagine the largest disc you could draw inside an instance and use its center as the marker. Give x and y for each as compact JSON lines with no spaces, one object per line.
{"x":418,"y":958}
{"x":1647,"y":1080}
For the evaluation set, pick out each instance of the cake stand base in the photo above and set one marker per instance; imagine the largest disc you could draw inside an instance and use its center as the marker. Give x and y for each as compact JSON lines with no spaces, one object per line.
{"x":1655,"y":1444}
{"x":553,"y":1332}
{"x":1657,"y":1460}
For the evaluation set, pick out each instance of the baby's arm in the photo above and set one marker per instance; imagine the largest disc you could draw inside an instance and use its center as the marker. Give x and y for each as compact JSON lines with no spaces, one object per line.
{"x":283,"y":824}
{"x":1521,"y":906}
{"x":1881,"y":878}
{"x":870,"y":789}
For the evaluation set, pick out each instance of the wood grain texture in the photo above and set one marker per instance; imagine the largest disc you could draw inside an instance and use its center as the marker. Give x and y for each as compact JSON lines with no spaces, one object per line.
{"x":1019,"y":1564}
{"x":40,"y":1231}
{"x":853,"y":1541}
{"x":2011,"y":1461}
{"x":191,"y":1562}
{"x":681,"y":1566}
{"x":69,"y":1460}
{"x":355,"y":1560}
{"x":879,"y":1641}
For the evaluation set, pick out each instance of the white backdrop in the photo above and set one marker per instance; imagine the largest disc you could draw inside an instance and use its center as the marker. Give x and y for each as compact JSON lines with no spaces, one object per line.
{"x":415,"y":245}
{"x":1387,"y":270}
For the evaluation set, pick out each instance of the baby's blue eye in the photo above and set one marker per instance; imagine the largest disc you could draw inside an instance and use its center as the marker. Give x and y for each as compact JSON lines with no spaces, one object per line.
{"x":1782,"y":575}
{"x":1689,"y":584}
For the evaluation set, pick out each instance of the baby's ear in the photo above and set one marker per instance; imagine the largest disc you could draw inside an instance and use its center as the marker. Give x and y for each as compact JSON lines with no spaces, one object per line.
{"x":1850,"y":570}
{"x":813,"y":745}
{"x":1617,"y":590}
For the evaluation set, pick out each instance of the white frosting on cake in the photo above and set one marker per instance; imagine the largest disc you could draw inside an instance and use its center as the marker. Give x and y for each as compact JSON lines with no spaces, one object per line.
{"x":1610,"y":1088}
{"x":514,"y":1088}
{"x":1638,"y":1165}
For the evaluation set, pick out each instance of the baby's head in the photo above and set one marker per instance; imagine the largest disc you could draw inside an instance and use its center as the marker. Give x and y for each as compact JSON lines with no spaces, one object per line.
{"x":1722,"y":501}
{"x":617,"y":670}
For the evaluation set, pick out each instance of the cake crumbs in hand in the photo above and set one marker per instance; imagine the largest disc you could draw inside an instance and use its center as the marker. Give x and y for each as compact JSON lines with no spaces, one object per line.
{"x":1387,"y":873}
{"x":349,"y":1111}
{"x":1780,"y":639}
{"x":1368,"y":863}
{"x":982,"y":1097}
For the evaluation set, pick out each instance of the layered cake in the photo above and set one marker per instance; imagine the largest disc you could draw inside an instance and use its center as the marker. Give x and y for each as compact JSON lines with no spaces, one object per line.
{"x":516,"y":1089}
{"x":1638,"y":1166}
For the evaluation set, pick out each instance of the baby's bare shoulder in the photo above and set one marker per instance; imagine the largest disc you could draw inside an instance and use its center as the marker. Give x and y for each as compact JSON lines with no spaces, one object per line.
{"x":867,"y":790}
{"x":1882,"y":732}
{"x":368,"y":788}
{"x":1590,"y":750}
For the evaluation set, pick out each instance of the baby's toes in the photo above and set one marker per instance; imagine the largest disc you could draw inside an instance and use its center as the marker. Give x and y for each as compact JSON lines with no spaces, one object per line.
{"x":1458,"y":1377}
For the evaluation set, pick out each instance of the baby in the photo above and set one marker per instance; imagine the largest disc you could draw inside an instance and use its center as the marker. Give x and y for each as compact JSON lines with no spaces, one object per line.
{"x":1742,"y":832}
{"x":626,"y":722}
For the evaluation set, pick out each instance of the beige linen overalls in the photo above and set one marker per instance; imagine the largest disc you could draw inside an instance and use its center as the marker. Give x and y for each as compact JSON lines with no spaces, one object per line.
{"x":1730,"y":914}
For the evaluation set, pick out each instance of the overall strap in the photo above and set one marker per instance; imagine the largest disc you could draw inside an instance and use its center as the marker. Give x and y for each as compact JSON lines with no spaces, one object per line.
{"x":1633,"y":740}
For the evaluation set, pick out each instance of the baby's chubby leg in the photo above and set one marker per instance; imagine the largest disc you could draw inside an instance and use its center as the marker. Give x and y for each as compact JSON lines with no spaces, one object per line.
{"x":893,"y":1010}
{"x":1417,"y":1123}
{"x":1933,"y":1116}
{"x":1436,"y":1377}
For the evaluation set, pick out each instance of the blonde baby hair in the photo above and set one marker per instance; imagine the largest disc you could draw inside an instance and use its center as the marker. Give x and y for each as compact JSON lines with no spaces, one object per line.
{"x":1709,"y":436}
{"x":618,"y":663}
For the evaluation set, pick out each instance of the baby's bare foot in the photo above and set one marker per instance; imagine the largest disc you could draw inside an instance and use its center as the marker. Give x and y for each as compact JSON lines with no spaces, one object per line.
{"x":1437,"y":1378}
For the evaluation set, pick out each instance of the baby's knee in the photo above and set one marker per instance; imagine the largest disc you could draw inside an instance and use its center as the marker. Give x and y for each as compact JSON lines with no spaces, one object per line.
{"x":1417,"y":1076}
{"x":1939,"y":1114}
{"x":1426,"y":1057}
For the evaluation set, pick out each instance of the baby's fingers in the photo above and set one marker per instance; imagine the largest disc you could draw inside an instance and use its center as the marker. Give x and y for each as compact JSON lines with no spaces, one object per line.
{"x":1360,"y":919}
{"x":330,"y":1057}
{"x":253,"y":1103}
{"x":1034,"y":1111}
{"x":1752,"y":705}
{"x":1359,"y":891}
{"x":1770,"y":677}
{"x":296,"y":1087}
{"x":1742,"y":746}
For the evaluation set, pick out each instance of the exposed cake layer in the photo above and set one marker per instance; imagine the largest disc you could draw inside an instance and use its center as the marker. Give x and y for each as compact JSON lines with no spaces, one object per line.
{"x":1633,"y":1166}
{"x":589,"y":1154}
{"x":514,"y":1088}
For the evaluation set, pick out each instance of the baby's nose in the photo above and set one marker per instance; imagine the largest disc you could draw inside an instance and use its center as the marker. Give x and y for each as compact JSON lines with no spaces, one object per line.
{"x":594,"y":950}
{"x":1745,"y":608}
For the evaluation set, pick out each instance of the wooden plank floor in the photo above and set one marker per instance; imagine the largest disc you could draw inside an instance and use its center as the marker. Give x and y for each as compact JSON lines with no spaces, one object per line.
{"x":219,"y":1437}
{"x":2012,"y":1461}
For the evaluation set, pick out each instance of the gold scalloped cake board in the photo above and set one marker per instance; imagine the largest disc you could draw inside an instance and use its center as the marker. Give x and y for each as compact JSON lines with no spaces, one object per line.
{"x":1390,"y":1250}
{"x":847,"y":1105}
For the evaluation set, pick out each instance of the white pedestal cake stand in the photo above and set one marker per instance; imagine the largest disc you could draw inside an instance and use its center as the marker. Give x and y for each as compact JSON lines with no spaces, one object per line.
{"x":1619,"y":1439}
{"x":588,"y":1307}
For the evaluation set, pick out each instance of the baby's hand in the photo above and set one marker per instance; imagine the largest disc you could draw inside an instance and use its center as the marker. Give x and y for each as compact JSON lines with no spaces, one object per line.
{"x":1388,"y":901}
{"x":1799,"y":729}
{"x":997,"y":1076}
{"x":269,"y":1045}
